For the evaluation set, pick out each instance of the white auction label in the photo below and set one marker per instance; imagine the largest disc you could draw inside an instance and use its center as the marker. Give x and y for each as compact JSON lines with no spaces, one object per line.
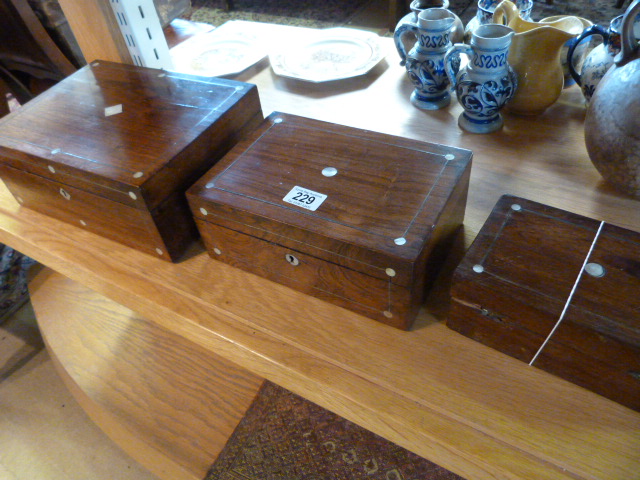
{"x":113,"y":110}
{"x":305,"y":198}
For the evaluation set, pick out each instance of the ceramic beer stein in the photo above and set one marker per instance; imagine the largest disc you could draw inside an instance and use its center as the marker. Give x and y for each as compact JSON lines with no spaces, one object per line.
{"x":425,"y":61}
{"x":484,"y":14}
{"x":411,"y":19}
{"x":487,"y":82}
{"x":600,"y":59}
{"x":612,"y":123}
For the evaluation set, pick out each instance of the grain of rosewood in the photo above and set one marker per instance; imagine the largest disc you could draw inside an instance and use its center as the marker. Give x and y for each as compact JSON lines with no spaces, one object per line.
{"x":386,"y":223}
{"x":532,"y":256}
{"x":123,"y":175}
{"x":386,"y":187}
{"x":171,"y":129}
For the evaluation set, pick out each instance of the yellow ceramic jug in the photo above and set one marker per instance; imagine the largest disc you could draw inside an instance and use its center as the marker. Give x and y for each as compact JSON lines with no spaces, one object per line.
{"x":535,"y":57}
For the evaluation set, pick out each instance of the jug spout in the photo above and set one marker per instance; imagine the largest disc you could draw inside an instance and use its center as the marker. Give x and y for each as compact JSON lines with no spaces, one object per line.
{"x":563,"y":29}
{"x":549,"y":37}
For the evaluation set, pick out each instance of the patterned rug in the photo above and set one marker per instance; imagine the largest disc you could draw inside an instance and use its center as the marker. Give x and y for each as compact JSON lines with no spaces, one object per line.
{"x":331,"y":13}
{"x":598,"y":11}
{"x":14,"y":267}
{"x":285,"y":437}
{"x":302,"y":13}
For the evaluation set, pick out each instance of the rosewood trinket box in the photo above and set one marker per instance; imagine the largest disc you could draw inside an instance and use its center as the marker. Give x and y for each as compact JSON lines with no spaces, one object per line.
{"x":556,"y":290}
{"x":113,"y":147}
{"x":356,"y":218}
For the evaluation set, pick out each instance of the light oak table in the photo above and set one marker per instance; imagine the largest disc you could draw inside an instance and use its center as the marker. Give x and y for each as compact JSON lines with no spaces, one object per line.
{"x":447,"y":398}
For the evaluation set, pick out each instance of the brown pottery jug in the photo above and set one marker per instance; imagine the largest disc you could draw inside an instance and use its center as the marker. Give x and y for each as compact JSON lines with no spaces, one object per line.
{"x":612,"y":124}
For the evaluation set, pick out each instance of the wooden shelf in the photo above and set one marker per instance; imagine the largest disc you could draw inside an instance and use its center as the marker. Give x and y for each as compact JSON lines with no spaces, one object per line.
{"x":447,"y":398}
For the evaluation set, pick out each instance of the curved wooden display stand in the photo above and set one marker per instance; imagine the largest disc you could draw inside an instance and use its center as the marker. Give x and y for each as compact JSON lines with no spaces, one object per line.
{"x":132,"y":377}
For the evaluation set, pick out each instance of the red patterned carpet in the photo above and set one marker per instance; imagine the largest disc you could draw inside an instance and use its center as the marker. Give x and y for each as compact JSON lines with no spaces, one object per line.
{"x":328,"y":13}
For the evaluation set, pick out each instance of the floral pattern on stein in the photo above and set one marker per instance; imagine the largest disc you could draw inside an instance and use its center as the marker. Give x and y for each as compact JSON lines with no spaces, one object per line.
{"x":593,"y":69}
{"x":425,"y":61}
{"x":487,"y":82}
{"x":483,"y":101}
{"x":425,"y":68}
{"x":428,"y":76}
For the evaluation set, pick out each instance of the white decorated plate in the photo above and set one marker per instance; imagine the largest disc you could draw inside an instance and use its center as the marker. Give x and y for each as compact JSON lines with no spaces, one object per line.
{"x":325,"y":55}
{"x":229,"y":49}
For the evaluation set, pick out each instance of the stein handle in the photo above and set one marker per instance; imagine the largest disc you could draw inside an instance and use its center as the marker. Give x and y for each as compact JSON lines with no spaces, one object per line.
{"x":628,"y":42}
{"x":452,"y":61}
{"x":507,"y":9}
{"x":398,"y":37}
{"x":587,"y":32}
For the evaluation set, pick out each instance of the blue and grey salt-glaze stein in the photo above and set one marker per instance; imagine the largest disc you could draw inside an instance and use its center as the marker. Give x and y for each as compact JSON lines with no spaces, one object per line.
{"x":425,"y":61}
{"x":411,"y":18}
{"x":600,"y":59}
{"x":487,"y":82}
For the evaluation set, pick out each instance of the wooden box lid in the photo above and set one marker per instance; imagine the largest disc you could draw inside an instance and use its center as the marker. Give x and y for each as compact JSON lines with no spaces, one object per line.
{"x":120,"y":127}
{"x":364,"y":195}
{"x":557,"y":290}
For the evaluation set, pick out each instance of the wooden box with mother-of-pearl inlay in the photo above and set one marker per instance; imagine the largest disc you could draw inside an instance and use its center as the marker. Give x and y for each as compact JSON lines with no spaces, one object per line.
{"x":353,"y":217}
{"x":556,"y":290}
{"x":112,"y":149}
